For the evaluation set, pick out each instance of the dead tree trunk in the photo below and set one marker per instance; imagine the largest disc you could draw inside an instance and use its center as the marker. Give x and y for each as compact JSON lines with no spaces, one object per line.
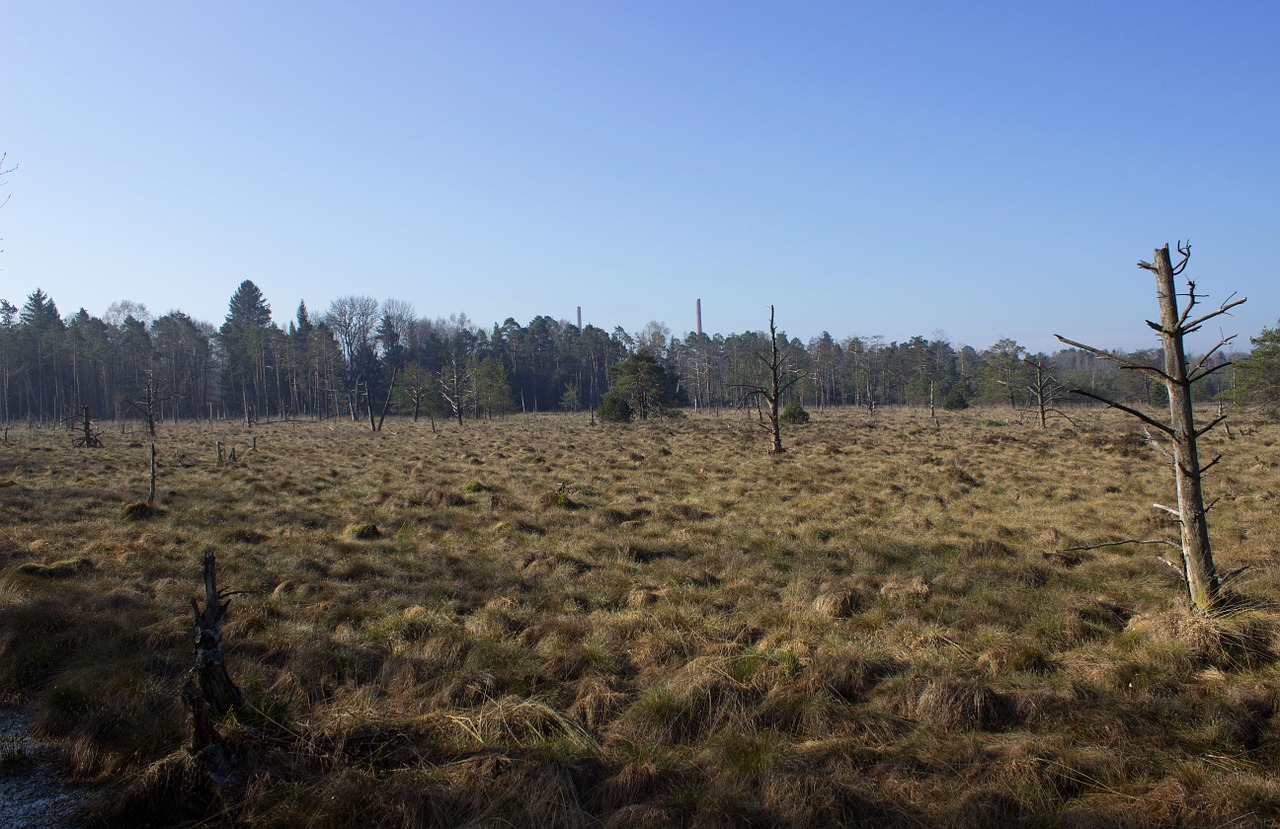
{"x":386,"y":403}
{"x":1042,"y":390}
{"x":1197,"y":569}
{"x":778,"y":384}
{"x":90,"y":438}
{"x":210,"y":673}
{"x":208,"y":692}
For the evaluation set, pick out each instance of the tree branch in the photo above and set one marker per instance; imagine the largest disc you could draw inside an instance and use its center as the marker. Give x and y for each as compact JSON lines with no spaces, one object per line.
{"x":1185,"y":250}
{"x":1198,"y":321}
{"x":1222,"y":580}
{"x":1121,"y":361}
{"x":1120,"y":543}
{"x":1212,"y":423}
{"x":1148,"y":369}
{"x":1144,"y":418}
{"x":1209,"y":465}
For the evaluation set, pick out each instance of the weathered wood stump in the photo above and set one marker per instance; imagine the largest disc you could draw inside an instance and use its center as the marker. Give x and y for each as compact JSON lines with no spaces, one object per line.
{"x":209,"y":692}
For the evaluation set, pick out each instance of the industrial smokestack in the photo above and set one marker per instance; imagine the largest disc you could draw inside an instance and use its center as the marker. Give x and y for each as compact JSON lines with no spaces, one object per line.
{"x":579,"y":317}
{"x":698,"y":307}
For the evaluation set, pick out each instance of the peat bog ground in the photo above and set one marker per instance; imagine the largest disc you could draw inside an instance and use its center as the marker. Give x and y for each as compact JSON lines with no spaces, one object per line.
{"x":539,"y":622}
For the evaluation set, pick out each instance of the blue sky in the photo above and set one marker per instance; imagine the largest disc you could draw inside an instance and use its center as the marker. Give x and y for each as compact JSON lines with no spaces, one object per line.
{"x":983,"y":169}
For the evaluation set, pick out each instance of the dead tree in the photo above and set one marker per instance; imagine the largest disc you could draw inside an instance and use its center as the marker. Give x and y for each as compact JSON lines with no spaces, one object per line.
{"x":210,"y":677}
{"x":208,"y":692}
{"x":1197,"y":569}
{"x":1043,"y":389}
{"x":90,"y":438}
{"x":147,"y":403}
{"x":375,"y":425}
{"x":780,"y":380}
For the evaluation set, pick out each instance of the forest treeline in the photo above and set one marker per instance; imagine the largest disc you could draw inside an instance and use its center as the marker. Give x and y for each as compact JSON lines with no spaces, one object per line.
{"x":361,"y":358}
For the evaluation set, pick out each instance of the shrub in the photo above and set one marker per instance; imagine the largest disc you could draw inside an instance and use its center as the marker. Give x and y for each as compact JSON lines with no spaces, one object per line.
{"x":794,"y":414}
{"x":956,"y":400}
{"x":614,"y":407}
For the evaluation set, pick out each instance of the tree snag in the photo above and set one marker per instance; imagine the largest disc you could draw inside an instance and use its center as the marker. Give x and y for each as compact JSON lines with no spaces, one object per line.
{"x":209,"y":675}
{"x":780,"y":380}
{"x":208,"y":691}
{"x":90,"y":438}
{"x":1197,"y":570}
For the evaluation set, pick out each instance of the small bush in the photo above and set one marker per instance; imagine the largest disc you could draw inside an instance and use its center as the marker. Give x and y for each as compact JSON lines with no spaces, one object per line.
{"x":794,"y":414}
{"x":956,"y":400}
{"x":475,"y":486}
{"x":614,"y":407}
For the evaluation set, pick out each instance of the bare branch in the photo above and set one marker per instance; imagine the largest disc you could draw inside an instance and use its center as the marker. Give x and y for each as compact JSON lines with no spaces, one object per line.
{"x":1175,"y":568}
{"x":1151,"y":439}
{"x":1212,"y":423}
{"x":1185,"y":250}
{"x":1233,"y":574}
{"x":1144,"y":418}
{"x":1121,"y":361}
{"x":1191,"y":303}
{"x":1164,"y":541}
{"x":1097,"y":352}
{"x":1206,"y":467}
{"x":1198,"y":370}
{"x":1148,"y":369}
{"x":1198,"y":321}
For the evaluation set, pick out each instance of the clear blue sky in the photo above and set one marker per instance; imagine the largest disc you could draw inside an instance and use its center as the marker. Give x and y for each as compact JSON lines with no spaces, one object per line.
{"x":984,"y":169}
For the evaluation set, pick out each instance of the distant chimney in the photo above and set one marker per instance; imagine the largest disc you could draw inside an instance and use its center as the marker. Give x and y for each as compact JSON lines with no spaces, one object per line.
{"x":579,"y":317}
{"x":698,"y":307}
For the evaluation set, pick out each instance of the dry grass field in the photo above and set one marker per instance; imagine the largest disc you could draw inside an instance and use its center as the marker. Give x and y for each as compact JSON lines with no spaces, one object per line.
{"x":534,"y":622}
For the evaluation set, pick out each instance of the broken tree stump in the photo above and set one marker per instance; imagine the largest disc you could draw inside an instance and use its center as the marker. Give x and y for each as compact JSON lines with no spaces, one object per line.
{"x":210,"y":672}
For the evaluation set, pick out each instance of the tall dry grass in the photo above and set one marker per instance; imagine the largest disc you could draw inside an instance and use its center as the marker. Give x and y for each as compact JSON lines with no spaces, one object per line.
{"x":536,"y":622}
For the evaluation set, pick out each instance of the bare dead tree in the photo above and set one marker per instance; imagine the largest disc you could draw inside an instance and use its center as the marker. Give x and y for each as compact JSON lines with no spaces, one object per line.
{"x":779,"y":380}
{"x":208,"y":691}
{"x":90,"y":438}
{"x":386,"y":403}
{"x":1197,"y":568}
{"x":148,"y":403}
{"x":1044,"y":389}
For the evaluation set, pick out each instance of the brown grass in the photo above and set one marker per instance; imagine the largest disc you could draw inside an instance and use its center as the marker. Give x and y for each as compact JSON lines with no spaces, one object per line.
{"x":536,"y":622}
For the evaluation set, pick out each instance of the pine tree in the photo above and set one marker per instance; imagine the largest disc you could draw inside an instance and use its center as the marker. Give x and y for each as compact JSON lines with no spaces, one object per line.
{"x":243,"y":338}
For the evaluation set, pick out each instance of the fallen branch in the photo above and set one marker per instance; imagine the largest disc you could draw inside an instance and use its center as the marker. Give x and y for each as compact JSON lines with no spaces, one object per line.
{"x":1120,"y":543}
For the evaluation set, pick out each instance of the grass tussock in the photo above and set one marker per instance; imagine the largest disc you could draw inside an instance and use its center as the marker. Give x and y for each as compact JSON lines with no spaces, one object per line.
{"x":539,"y":623}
